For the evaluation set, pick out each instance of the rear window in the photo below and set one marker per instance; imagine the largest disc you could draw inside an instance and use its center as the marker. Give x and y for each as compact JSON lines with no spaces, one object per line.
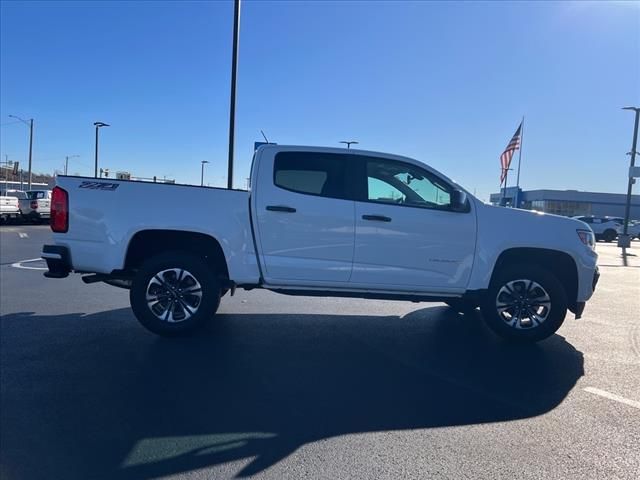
{"x":15,"y":194}
{"x":36,"y":194}
{"x":312,"y":173}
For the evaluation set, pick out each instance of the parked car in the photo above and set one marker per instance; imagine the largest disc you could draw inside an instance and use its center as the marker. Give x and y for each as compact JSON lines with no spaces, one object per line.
{"x":633,"y":229}
{"x":604,"y":228}
{"x":10,"y":204}
{"x":322,"y":222}
{"x":9,"y":208}
{"x":37,"y":206}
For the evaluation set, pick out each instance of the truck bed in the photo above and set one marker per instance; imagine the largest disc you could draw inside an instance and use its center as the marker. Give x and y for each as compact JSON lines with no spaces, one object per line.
{"x":105,"y":214}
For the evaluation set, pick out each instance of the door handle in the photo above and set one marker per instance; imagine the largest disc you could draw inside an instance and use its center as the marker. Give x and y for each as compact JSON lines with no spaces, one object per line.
{"x":376,"y":218}
{"x":280,"y":208}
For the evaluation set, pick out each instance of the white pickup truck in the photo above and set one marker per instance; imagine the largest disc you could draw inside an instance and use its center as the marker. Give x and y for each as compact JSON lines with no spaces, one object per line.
{"x":322,"y":222}
{"x":10,"y":204}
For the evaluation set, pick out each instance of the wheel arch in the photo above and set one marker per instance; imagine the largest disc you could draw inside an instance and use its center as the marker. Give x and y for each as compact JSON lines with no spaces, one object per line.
{"x":561,"y":264}
{"x":149,"y":243}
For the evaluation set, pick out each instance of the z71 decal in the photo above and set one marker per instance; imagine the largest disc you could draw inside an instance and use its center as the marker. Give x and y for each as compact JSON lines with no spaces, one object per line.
{"x":99,"y":185}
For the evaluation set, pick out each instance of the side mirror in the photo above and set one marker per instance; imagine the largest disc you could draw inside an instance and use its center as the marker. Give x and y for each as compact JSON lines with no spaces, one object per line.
{"x":459,"y":201}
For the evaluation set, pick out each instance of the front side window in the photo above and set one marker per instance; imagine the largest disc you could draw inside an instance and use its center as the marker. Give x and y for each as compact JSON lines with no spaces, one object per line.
{"x":313,"y":173}
{"x":404,"y":184}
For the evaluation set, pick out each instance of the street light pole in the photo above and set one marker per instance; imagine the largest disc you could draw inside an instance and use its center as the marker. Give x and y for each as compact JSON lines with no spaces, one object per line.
{"x":98,"y":125}
{"x":202,"y":173}
{"x":232,"y":106}
{"x":30,"y":124}
{"x":633,"y":162}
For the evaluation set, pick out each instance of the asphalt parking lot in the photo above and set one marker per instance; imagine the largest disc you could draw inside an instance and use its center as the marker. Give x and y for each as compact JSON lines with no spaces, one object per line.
{"x":286,"y":388}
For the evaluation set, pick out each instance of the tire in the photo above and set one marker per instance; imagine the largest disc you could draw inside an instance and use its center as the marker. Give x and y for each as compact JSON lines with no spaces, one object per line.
{"x":461,"y":306}
{"x":176,"y":307}
{"x":545,"y":304}
{"x":609,"y":235}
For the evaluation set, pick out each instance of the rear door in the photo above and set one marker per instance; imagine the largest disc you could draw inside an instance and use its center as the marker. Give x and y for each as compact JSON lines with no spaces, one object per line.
{"x":304,"y":216}
{"x":407,"y":234}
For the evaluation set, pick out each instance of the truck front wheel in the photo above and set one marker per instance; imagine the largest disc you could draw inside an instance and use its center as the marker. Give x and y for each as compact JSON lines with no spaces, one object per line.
{"x":525,"y":303}
{"x":174,"y":293}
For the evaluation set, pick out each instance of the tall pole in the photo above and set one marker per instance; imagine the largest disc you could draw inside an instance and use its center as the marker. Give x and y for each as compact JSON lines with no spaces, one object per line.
{"x":96,"y":155}
{"x":30,"y":149}
{"x":202,"y":173}
{"x":504,"y":194}
{"x":66,"y":164}
{"x":627,"y":207}
{"x":517,"y":200}
{"x":232,"y":106}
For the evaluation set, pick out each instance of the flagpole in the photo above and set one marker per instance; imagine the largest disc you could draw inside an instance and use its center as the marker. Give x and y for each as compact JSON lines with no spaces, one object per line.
{"x":504,"y":191}
{"x":517,"y":202}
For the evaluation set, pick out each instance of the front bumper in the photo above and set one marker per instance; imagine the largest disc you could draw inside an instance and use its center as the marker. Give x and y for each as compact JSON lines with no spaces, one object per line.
{"x":596,"y":277}
{"x":580,"y":305}
{"x":58,"y":261}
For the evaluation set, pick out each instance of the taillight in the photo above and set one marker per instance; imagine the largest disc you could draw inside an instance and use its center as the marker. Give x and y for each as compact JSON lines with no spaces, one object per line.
{"x":59,"y":210}
{"x":34,"y":204}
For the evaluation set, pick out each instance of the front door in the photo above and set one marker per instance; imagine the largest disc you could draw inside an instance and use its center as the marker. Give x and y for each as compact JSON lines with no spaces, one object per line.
{"x":407,"y":232}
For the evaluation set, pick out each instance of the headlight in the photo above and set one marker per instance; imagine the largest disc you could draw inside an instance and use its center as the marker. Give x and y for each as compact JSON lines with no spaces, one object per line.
{"x":588,"y":238}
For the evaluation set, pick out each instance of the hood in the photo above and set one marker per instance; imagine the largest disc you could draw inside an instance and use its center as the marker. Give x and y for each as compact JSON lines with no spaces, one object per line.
{"x":534,"y":218}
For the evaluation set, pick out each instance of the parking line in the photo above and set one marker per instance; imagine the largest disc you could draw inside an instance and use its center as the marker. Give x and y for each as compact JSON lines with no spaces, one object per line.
{"x":23,"y":235}
{"x":611,"y":396}
{"x":19,"y":264}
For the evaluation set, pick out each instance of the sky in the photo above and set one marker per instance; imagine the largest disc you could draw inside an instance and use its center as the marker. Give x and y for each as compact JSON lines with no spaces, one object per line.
{"x":446,"y":83}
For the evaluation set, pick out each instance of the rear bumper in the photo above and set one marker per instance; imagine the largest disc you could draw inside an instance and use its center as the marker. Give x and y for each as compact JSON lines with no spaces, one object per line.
{"x":58,"y":261}
{"x":35,"y":215}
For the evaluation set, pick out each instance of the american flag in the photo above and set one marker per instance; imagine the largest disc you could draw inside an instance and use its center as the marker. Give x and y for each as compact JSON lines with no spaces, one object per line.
{"x":507,"y":155}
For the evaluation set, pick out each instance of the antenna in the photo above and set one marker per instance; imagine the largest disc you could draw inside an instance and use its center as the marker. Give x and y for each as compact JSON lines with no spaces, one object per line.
{"x":265,"y":137}
{"x":349,"y":143}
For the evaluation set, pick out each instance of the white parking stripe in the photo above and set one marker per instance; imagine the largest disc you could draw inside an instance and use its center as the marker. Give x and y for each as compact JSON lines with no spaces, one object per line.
{"x":611,"y":396}
{"x":23,"y":235}
{"x":19,"y":264}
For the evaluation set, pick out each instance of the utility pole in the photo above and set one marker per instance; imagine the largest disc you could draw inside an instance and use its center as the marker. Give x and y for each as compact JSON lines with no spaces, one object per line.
{"x":232,"y":105}
{"x":624,"y":242}
{"x":66,"y":162}
{"x":30,"y":125}
{"x":6,"y":173}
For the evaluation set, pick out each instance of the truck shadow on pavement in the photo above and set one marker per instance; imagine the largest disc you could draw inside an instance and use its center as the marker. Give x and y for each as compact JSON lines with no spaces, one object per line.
{"x":96,"y":396}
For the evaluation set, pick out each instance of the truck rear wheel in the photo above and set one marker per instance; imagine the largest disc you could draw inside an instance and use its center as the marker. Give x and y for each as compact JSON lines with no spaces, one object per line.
{"x":174,"y":293}
{"x":525,"y":303}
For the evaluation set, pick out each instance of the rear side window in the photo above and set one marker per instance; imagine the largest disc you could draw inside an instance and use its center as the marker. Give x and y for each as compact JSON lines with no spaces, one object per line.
{"x":312,"y":173}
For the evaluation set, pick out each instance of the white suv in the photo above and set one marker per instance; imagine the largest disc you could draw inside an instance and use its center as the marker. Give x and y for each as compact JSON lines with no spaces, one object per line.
{"x":633,"y":230}
{"x":604,"y":228}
